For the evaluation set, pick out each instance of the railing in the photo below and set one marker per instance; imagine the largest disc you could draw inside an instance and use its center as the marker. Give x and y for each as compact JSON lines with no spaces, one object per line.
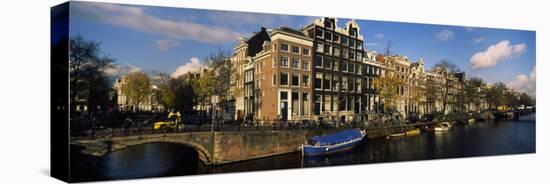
{"x":100,"y":129}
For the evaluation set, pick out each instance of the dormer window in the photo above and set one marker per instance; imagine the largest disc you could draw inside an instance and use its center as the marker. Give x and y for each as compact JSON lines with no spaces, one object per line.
{"x":353,"y":32}
{"x":284,"y":47}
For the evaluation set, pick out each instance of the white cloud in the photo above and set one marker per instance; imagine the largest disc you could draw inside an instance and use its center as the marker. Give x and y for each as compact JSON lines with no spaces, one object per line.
{"x":371,"y":44}
{"x":519,"y":82}
{"x":117,"y":70}
{"x":136,"y":18}
{"x":445,"y":35}
{"x":193,"y":66}
{"x":379,"y":35}
{"x":166,"y":44}
{"x":469,"y":29}
{"x":495,"y":54}
{"x":525,"y":84}
{"x":478,"y":40}
{"x":533,"y":74}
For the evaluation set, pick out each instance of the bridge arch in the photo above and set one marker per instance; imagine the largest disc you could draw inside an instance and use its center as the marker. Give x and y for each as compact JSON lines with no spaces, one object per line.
{"x":103,"y":146}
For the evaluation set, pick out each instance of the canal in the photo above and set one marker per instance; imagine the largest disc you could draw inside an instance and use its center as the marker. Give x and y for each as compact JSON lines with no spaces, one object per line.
{"x":165,"y":159}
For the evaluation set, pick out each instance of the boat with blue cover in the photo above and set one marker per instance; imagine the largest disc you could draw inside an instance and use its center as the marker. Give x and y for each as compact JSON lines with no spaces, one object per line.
{"x":332,"y":143}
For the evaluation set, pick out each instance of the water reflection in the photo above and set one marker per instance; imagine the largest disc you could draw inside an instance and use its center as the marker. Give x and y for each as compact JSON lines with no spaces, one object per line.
{"x":163,"y":159}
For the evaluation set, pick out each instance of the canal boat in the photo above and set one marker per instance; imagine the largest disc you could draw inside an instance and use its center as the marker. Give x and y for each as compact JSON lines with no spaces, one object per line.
{"x":332,"y":143}
{"x":396,"y":135}
{"x":471,"y":120}
{"x":412,"y":132}
{"x":442,"y":127}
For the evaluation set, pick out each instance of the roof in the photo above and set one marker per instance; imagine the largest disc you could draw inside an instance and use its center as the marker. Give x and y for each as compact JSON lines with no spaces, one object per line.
{"x":291,"y":31}
{"x":337,"y":137}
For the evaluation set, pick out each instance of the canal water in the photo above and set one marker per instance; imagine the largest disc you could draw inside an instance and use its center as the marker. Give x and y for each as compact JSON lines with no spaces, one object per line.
{"x":165,"y":159}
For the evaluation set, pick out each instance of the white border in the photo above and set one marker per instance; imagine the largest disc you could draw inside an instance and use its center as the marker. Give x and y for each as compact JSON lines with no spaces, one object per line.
{"x":25,"y":91}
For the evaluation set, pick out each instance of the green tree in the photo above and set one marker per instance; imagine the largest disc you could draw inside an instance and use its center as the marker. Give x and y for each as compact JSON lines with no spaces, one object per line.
{"x":495,"y":95}
{"x":175,"y":93}
{"x":137,"y":87}
{"x":204,"y":87}
{"x":387,"y":87}
{"x":473,"y":92}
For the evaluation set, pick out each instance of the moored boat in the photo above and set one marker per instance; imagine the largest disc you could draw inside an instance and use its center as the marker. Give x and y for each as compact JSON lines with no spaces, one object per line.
{"x":442,"y":127}
{"x":396,"y":135}
{"x":412,"y":132}
{"x":332,"y":143}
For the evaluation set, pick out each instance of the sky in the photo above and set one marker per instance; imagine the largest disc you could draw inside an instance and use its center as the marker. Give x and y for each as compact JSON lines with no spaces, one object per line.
{"x":176,"y":40}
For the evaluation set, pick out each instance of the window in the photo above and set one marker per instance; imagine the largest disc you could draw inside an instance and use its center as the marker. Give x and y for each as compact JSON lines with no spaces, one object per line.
{"x":274,"y":79}
{"x":284,"y":62}
{"x":317,"y":105}
{"x":295,"y":63}
{"x":284,"y":78}
{"x":352,"y":55}
{"x":328,"y":49}
{"x":336,"y":38}
{"x":328,"y":63}
{"x":342,"y":104}
{"x":305,"y":104}
{"x":344,"y":66}
{"x":352,"y":43}
{"x":319,"y":47}
{"x":351,"y":84}
{"x":305,"y":80}
{"x":359,"y":44}
{"x":344,"y":40}
{"x":305,"y":51}
{"x":336,"y":51}
{"x":274,"y":62}
{"x":350,"y":103}
{"x":345,"y":53}
{"x":284,"y":47}
{"x":335,"y":65}
{"x":335,"y":84}
{"x":295,"y":80}
{"x":305,"y":65}
{"x":328,"y":36}
{"x":319,"y":33}
{"x":358,"y":85}
{"x":352,"y":32}
{"x":359,"y":56}
{"x":319,"y":61}
{"x":326,"y":82}
{"x":296,"y":49}
{"x":326,"y":103}
{"x":318,"y":80}
{"x":345,"y":83}
{"x":295,"y":102}
{"x":351,"y":67}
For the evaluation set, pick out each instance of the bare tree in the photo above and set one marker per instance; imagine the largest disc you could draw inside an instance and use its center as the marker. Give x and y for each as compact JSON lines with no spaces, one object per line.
{"x":87,"y":73}
{"x":448,"y":69}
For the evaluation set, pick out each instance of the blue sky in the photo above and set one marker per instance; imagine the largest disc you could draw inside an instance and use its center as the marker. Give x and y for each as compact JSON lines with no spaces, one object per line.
{"x":174,"y":40}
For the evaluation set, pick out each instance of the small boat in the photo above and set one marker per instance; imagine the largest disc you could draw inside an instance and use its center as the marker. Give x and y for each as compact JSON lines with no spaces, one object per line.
{"x":471,"y":120}
{"x":441,"y":127}
{"x":396,"y":135}
{"x":412,"y":132}
{"x":332,"y":143}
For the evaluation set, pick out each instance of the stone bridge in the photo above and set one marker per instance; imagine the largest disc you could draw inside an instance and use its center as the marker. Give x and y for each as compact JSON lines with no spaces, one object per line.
{"x":216,"y":148}
{"x":213,"y":147}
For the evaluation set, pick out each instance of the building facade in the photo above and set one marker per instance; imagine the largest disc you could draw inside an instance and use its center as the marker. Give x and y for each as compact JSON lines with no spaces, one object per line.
{"x":150,"y":104}
{"x":338,"y":79}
